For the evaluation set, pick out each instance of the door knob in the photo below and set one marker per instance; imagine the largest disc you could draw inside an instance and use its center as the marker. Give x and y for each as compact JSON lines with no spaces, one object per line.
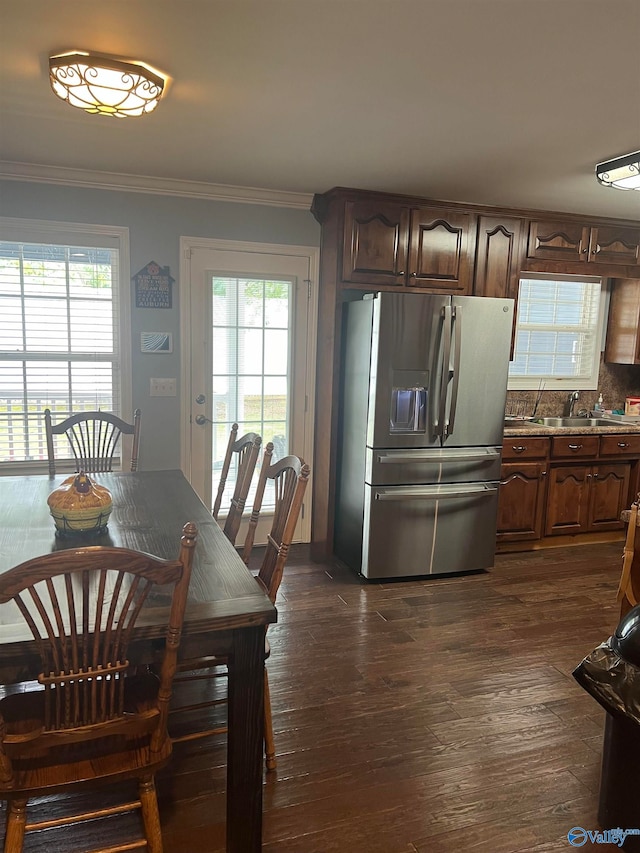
{"x":201,"y":420}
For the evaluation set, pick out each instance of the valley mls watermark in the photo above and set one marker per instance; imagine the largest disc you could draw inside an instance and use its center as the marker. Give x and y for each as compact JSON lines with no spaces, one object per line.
{"x":578,"y":836}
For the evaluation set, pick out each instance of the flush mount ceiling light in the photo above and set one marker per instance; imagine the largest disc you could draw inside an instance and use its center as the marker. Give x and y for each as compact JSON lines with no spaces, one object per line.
{"x":623,"y":173}
{"x":105,"y":85}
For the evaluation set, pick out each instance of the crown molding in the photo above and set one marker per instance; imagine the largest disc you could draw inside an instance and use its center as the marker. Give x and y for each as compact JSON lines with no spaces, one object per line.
{"x":13,"y":171}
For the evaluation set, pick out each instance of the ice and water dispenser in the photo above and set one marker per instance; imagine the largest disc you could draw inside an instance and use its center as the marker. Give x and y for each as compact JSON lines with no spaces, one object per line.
{"x":409,"y":401}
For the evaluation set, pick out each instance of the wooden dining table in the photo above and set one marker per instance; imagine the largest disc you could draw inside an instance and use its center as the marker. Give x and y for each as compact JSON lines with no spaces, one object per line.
{"x":226,"y":612}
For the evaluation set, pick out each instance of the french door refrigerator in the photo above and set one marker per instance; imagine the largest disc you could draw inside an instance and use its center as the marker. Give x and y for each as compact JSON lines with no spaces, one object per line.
{"x":420,"y":433}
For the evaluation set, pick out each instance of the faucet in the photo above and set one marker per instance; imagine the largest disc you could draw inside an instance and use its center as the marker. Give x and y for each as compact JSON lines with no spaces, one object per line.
{"x":571,"y":400}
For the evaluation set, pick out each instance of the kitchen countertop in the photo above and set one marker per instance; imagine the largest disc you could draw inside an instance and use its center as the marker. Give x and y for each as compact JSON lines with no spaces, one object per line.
{"x":539,"y":429}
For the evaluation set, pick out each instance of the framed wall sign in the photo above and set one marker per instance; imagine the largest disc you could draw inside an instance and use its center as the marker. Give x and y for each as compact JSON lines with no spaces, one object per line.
{"x":153,"y":286}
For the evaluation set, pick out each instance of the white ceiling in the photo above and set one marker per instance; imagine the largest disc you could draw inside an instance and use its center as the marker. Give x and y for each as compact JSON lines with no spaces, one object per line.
{"x":503,"y":102}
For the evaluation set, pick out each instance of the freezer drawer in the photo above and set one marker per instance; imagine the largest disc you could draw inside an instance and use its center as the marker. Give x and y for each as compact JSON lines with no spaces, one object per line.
{"x":427,"y":530}
{"x":432,"y":465}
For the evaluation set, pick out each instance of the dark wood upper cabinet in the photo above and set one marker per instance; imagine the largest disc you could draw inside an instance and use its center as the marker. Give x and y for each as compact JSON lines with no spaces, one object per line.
{"x":441,"y":249}
{"x":499,"y":259}
{"x":376,"y":240}
{"x":499,"y":256}
{"x":387,"y":244}
{"x":557,"y":241}
{"x":615,"y":244}
{"x":623,"y":330}
{"x":573,"y":242}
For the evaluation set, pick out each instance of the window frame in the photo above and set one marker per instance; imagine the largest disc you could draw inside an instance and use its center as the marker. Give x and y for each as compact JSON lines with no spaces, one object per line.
{"x":35,"y":231}
{"x":553,"y":383}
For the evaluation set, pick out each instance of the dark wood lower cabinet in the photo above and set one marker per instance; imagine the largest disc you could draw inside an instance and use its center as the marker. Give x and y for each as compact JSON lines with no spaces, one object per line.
{"x":521,"y":501}
{"x":565,"y":485}
{"x":568,"y":506}
{"x":586,"y":498}
{"x":609,"y":495}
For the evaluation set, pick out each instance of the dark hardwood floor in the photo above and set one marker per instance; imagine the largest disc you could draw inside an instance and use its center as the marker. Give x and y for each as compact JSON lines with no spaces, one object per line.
{"x":431,"y":716}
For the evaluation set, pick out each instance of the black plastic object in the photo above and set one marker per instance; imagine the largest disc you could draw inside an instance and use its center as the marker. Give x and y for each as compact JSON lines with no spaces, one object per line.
{"x":626,"y":639}
{"x":611,"y":674}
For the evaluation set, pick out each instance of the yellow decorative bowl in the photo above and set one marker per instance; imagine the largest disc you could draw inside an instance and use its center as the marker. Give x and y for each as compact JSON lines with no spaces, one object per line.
{"x":80,"y":505}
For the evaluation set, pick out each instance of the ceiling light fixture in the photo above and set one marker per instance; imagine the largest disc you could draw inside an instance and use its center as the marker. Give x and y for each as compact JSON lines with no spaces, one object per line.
{"x":623,"y":173}
{"x":105,"y":85}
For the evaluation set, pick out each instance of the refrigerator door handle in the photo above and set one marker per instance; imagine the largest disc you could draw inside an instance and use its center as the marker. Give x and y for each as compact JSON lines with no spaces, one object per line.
{"x":457,"y":328}
{"x":444,"y":374}
{"x":418,"y":493}
{"x":391,"y":457}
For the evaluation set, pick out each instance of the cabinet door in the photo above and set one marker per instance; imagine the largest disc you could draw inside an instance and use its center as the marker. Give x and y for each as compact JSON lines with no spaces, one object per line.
{"x":499,"y":257}
{"x":441,"y":247}
{"x":521,"y":501}
{"x":376,"y":238}
{"x":608,"y":495}
{"x":568,"y":505}
{"x":615,"y":244}
{"x":558,"y":241}
{"x":623,"y":330}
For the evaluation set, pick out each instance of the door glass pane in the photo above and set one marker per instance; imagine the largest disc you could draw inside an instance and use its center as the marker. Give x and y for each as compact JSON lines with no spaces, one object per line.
{"x":252,"y":340}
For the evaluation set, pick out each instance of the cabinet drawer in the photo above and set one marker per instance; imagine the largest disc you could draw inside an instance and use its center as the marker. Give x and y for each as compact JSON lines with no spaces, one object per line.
{"x":574,"y":445}
{"x":526,"y":447}
{"x":620,"y":445}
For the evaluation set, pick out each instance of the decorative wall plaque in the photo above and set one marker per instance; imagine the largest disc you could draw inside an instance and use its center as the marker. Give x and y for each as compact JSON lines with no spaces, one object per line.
{"x":156,"y":342}
{"x":153,"y":285}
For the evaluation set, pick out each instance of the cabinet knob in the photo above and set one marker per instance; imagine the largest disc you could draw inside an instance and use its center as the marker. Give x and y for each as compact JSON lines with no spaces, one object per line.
{"x":400,"y":273}
{"x":623,"y":444}
{"x":519,"y":448}
{"x":413,"y":274}
{"x":575,"y":446}
{"x":584,"y":251}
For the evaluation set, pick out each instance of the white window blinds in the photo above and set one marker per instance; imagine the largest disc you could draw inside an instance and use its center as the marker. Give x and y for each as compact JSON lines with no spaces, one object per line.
{"x":59,"y":339}
{"x":558,"y":331}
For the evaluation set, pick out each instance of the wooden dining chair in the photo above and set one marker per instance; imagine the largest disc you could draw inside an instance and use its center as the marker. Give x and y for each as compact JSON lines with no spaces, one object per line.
{"x":91,"y":720}
{"x":289,"y":477}
{"x":246,"y":449}
{"x":94,"y":438}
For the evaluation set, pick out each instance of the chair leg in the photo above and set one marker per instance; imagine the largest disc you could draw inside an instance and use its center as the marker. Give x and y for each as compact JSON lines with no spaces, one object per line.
{"x":150,"y":814}
{"x":269,"y":742}
{"x":16,"y":820}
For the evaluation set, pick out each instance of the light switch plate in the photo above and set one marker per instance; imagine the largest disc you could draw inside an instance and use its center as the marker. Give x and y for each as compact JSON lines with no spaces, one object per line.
{"x":162,"y":388}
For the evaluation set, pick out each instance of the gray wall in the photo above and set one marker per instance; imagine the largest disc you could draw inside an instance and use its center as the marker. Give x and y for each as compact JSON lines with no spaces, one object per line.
{"x":155,"y":225}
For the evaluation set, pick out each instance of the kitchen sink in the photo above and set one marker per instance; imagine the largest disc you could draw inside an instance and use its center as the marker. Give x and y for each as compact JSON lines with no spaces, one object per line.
{"x":573,"y":422}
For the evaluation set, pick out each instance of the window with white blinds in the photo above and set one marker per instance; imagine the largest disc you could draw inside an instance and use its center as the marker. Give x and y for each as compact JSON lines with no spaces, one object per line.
{"x":60,"y":338}
{"x":559,"y":332}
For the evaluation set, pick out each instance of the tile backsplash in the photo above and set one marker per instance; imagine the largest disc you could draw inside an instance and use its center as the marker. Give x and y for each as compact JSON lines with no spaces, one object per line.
{"x":615,"y":382}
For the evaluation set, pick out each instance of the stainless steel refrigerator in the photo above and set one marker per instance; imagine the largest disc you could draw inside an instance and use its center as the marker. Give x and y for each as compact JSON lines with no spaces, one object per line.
{"x":420,"y":434}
